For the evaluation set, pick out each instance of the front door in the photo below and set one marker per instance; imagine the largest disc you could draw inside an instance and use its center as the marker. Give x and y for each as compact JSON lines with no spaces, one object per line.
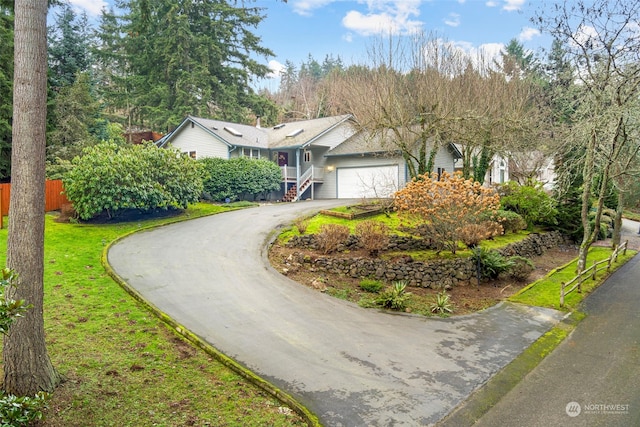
{"x":283,"y":158}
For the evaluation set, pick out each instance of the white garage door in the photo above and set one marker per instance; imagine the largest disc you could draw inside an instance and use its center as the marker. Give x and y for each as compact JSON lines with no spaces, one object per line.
{"x":367,"y":182}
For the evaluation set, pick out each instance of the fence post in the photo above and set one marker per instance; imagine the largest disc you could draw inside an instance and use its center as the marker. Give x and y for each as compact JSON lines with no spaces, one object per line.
{"x":626,"y":244}
{"x":595,"y":270}
{"x":561,"y":294}
{"x":580,"y":279}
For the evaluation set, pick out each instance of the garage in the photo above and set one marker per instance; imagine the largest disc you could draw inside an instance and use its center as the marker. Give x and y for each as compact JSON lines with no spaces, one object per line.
{"x":367,"y":182}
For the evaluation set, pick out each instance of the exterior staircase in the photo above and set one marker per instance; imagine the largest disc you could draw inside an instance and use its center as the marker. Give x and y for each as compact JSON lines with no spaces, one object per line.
{"x":292,"y":194}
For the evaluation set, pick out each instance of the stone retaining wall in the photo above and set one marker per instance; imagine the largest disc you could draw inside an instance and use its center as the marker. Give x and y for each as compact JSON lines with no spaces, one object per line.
{"x":437,"y":274}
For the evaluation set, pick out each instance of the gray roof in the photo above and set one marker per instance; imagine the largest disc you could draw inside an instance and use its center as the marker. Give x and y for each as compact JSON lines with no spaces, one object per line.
{"x":287,"y":135}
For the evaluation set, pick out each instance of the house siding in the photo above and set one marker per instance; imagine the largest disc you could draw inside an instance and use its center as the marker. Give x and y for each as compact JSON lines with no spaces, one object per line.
{"x":198,"y":140}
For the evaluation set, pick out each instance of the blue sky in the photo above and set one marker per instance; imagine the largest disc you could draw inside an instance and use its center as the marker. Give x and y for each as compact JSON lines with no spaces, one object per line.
{"x":345,"y":28}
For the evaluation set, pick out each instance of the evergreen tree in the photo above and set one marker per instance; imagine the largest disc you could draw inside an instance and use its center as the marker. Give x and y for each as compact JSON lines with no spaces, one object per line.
{"x":78,"y":125}
{"x":68,"y":47}
{"x":6,"y":87}
{"x":190,"y":57}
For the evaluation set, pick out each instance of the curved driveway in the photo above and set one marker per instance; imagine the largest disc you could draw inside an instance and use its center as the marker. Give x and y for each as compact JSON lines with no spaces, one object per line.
{"x":350,"y":366}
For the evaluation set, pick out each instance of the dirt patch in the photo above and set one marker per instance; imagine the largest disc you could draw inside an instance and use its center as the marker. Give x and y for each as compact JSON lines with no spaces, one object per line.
{"x":465,"y":299}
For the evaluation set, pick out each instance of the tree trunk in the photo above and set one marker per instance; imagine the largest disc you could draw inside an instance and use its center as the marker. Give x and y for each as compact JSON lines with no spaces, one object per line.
{"x":587,"y":179}
{"x":617,"y":222}
{"x":27,"y":368}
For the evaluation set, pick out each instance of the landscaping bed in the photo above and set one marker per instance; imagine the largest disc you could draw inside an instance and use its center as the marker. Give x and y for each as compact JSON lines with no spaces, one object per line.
{"x":465,"y":299}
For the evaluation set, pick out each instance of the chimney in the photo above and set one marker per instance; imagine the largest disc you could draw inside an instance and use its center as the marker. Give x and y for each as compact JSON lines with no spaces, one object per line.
{"x":258,"y":122}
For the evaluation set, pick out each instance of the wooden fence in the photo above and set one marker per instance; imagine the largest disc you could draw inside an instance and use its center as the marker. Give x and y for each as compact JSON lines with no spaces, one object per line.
{"x":591,"y":272}
{"x":54,"y":197}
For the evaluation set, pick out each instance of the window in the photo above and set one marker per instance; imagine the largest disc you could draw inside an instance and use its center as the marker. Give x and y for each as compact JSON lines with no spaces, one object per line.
{"x":440,"y":172}
{"x":251,"y":153}
{"x":307,"y":156}
{"x":191,"y":154}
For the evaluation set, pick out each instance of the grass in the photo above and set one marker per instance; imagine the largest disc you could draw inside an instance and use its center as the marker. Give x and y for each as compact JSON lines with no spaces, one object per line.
{"x":546,"y":291}
{"x":122,"y":365}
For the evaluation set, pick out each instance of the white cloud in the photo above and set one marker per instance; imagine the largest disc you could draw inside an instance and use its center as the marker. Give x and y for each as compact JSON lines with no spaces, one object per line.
{"x":512,"y":5}
{"x":306,"y":7}
{"x":484,"y":56}
{"x":491,"y":3}
{"x":453,"y":20}
{"x":92,"y":7}
{"x":276,"y":69}
{"x":528,"y":33}
{"x":384,"y":17}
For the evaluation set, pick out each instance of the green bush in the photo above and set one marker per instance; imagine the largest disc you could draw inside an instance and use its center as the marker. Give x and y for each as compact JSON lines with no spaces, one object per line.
{"x":510,"y":221}
{"x":395,"y":297}
{"x":112,"y":178}
{"x":21,"y":411}
{"x":531,"y":202}
{"x":240,"y":178}
{"x":369,"y":285}
{"x":10,"y":309}
{"x":490,"y":262}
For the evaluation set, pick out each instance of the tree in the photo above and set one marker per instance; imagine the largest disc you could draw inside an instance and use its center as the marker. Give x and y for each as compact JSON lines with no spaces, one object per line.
{"x":78,"y":124}
{"x":602,"y":43}
{"x":27,"y":368}
{"x":185,"y":57}
{"x":68,"y":47}
{"x":6,"y":87}
{"x":446,"y":206}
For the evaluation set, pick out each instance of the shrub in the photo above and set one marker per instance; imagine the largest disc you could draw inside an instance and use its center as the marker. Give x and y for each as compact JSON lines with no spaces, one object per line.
{"x":490,"y":262}
{"x":331,"y":236}
{"x":373,"y":236}
{"x":510,"y":221}
{"x":395,"y":297}
{"x":531,"y":202}
{"x":472,"y":234}
{"x":521,"y":268}
{"x":447,"y":204}
{"x":240,"y":178}
{"x":302,"y":224}
{"x":369,"y":285}
{"x":111,"y":178}
{"x":10,"y":309}
{"x":442,"y":305}
{"x":22,"y":411}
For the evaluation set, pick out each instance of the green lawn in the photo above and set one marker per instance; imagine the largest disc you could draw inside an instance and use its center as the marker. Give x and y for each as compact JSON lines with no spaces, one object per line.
{"x":546,"y":291}
{"x":121,"y":364}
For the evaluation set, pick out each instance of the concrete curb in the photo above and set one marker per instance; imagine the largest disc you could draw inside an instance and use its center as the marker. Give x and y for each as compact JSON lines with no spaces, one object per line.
{"x":311,"y":419}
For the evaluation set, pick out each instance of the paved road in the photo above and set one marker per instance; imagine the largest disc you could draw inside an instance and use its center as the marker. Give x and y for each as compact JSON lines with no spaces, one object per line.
{"x":348,"y":365}
{"x":592,"y":378}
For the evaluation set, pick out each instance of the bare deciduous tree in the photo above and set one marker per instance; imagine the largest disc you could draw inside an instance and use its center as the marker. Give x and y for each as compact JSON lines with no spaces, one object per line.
{"x":602,"y":41}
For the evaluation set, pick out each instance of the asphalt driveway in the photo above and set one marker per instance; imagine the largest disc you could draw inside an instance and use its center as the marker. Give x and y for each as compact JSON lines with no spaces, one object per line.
{"x":350,"y":366}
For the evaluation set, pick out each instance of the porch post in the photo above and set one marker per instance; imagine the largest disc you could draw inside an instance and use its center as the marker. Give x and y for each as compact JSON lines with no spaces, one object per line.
{"x":297,"y":174}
